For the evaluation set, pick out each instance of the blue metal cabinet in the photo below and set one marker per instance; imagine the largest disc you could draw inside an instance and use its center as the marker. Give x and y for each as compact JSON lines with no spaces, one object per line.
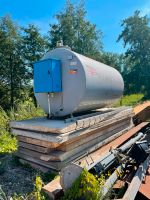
{"x":47,"y":76}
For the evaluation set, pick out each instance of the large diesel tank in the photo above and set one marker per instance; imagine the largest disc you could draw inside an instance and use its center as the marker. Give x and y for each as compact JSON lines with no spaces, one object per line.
{"x":66,"y":82}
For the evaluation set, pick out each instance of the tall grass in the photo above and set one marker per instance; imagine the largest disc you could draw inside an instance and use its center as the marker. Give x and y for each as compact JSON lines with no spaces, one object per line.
{"x":130,"y":100}
{"x":24,"y":110}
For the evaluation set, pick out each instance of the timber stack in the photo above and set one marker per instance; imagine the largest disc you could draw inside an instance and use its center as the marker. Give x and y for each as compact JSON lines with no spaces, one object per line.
{"x":52,"y":144}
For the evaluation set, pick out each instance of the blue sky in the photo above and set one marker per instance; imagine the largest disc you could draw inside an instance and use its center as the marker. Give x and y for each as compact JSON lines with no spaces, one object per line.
{"x":106,"y":14}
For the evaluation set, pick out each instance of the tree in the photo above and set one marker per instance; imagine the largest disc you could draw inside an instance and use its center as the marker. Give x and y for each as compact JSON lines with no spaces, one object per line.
{"x":75,"y":31}
{"x":13,"y":73}
{"x":136,"y":38}
{"x":33,"y":45}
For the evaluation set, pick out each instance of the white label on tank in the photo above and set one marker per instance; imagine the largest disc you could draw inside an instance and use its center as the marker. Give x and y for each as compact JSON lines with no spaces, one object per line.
{"x":73,"y":63}
{"x":70,"y":57}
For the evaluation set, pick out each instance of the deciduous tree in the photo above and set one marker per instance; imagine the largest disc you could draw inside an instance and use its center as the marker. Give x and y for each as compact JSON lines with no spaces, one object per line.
{"x":136,"y":38}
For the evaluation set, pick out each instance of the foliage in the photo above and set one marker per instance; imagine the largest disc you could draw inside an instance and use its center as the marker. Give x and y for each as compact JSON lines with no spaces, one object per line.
{"x":136,"y":37}
{"x":8,"y":143}
{"x":86,"y":187}
{"x":13,"y":75}
{"x":24,"y":110}
{"x":38,"y":188}
{"x":19,"y":49}
{"x":130,"y":100}
{"x":75,"y":31}
{"x":33,"y":45}
{"x":4,"y":119}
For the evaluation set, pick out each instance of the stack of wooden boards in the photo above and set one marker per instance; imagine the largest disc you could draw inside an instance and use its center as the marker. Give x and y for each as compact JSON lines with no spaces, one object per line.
{"x":52,"y":144}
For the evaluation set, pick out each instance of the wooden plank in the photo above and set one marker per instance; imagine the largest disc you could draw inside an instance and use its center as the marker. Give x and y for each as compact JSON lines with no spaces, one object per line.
{"x":102,"y":125}
{"x":62,"y":156}
{"x":95,"y":155}
{"x":44,"y":125}
{"x":55,"y":145}
{"x":53,"y":189}
{"x":54,"y":138}
{"x":56,"y":166}
{"x":70,"y":145}
{"x":141,"y":107}
{"x":47,"y":126}
{"x":37,"y":142}
{"x":65,"y":146}
{"x":35,"y":166}
{"x":112,"y":144}
{"x":34,"y":147}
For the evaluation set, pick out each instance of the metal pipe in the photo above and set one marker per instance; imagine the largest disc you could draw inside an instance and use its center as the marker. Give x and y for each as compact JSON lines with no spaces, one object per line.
{"x":112,"y":179}
{"x":105,"y":161}
{"x":128,"y":144}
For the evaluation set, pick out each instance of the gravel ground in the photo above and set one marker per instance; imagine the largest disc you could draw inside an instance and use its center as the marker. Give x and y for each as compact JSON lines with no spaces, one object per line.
{"x":18,"y":178}
{"x":15,"y":178}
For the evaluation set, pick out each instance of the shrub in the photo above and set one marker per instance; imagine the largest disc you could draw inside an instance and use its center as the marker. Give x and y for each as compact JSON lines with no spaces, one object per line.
{"x":25,"y":110}
{"x":86,"y":186}
{"x":130,"y":100}
{"x":8,"y":143}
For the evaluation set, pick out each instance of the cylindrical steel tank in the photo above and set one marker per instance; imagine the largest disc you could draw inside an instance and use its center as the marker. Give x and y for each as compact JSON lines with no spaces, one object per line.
{"x":86,"y":84}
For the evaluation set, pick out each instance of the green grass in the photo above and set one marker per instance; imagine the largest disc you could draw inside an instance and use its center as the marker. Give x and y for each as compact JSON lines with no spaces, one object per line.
{"x":24,"y":110}
{"x":130,"y":100}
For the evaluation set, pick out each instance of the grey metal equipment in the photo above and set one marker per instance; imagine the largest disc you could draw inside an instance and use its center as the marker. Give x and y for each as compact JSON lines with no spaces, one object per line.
{"x":105,"y":162}
{"x":77,"y":83}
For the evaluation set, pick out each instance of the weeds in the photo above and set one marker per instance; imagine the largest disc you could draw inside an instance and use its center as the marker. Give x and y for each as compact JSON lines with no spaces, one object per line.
{"x":86,"y":186}
{"x":130,"y":100}
{"x":26,"y":110}
{"x":37,"y":194}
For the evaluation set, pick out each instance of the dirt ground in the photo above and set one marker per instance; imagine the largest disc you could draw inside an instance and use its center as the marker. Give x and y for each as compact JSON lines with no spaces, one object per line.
{"x":18,"y":178}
